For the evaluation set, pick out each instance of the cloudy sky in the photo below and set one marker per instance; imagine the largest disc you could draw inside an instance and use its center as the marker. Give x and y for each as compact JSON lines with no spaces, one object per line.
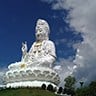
{"x":72,"y":24}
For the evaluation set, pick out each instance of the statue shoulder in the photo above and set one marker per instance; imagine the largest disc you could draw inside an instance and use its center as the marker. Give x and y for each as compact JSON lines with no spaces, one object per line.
{"x":49,"y":42}
{"x":33,"y":45}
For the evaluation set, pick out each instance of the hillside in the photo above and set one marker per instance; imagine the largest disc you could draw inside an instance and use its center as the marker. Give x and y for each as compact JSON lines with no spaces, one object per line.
{"x":26,"y":92}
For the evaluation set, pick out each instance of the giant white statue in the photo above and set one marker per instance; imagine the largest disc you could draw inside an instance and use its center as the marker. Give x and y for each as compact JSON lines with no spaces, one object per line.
{"x":35,"y":67}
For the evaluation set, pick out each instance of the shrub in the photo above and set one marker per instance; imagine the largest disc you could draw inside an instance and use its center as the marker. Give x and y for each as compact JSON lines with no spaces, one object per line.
{"x":43,"y":86}
{"x":50,"y":88}
{"x":60,"y":90}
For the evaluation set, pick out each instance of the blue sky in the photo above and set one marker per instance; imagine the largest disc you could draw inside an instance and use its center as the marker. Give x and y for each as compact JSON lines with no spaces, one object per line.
{"x":73,"y":30}
{"x":17,"y":24}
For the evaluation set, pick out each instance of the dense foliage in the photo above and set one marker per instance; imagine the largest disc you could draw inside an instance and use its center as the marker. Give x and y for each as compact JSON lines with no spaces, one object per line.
{"x":69,"y":87}
{"x":89,"y":90}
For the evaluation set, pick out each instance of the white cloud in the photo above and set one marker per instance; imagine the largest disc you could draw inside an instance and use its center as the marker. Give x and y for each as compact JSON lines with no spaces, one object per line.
{"x":64,"y":68}
{"x":2,"y":72}
{"x":60,"y":41}
{"x":82,"y":17}
{"x":1,"y":77}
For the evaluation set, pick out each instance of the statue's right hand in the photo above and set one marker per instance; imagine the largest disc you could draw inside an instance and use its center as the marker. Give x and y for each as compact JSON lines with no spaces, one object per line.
{"x":24,"y":47}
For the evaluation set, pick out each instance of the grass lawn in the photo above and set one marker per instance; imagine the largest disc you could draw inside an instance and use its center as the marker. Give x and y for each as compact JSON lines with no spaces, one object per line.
{"x":26,"y":92}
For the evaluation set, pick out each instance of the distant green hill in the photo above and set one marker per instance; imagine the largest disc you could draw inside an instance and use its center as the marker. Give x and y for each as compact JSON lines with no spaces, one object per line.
{"x":26,"y":92}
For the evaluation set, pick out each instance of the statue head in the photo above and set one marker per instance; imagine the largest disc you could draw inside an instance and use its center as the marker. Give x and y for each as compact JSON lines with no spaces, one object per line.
{"x":42,"y":30}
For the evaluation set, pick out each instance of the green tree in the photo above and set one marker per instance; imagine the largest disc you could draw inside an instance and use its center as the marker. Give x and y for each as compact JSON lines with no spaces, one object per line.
{"x":43,"y":86}
{"x":69,"y":85}
{"x":92,"y":88}
{"x":50,"y":87}
{"x":60,"y":90}
{"x":89,"y":90}
{"x":69,"y":82}
{"x":82,"y":91}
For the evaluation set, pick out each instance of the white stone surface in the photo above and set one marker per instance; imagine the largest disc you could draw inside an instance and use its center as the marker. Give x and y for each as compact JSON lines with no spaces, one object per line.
{"x":42,"y":53}
{"x":36,"y":64}
{"x":34,"y":73}
{"x":29,"y":84}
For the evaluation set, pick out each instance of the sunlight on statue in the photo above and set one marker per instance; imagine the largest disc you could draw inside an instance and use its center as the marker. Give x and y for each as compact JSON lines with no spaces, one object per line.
{"x":35,"y":67}
{"x":42,"y":52}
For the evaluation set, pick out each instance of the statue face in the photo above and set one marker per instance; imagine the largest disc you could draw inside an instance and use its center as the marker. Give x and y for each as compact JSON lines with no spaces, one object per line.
{"x":40,"y":33}
{"x":42,"y":29}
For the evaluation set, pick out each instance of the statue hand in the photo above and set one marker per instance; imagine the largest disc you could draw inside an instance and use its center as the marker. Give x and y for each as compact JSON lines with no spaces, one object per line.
{"x":24,"y":47}
{"x":24,"y":50}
